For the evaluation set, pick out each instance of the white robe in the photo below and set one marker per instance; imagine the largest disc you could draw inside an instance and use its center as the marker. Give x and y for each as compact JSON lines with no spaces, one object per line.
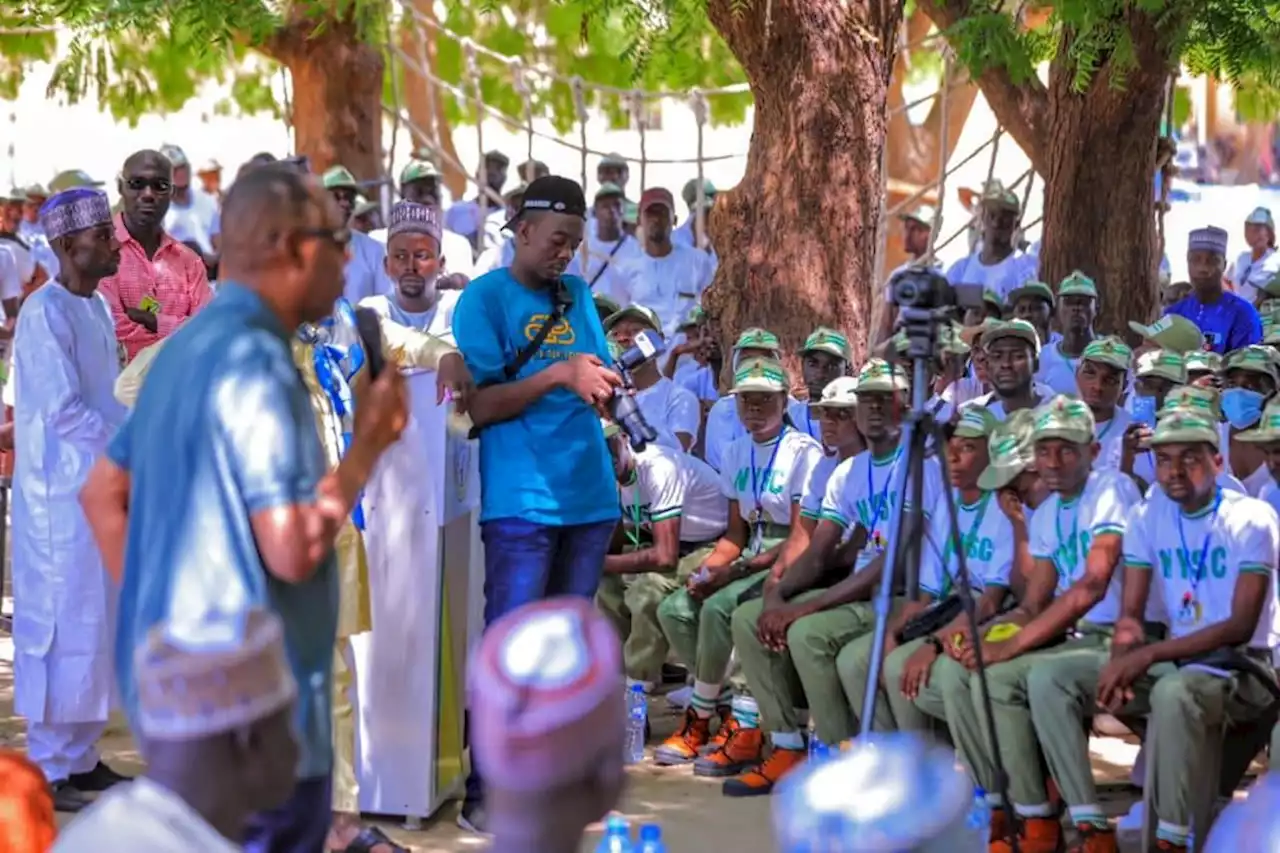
{"x":66,"y":360}
{"x":141,"y":815}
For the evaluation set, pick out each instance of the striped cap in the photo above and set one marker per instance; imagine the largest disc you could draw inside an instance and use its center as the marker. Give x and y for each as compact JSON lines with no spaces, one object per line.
{"x":1065,"y":418}
{"x":759,"y":374}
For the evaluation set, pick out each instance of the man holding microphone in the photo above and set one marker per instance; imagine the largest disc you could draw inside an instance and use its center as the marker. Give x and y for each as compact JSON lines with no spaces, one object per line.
{"x":535,"y":345}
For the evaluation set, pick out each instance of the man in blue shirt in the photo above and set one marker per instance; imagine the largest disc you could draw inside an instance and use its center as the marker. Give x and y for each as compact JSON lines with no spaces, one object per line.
{"x":214,"y":497}
{"x":1227,"y":321}
{"x":549,"y":499}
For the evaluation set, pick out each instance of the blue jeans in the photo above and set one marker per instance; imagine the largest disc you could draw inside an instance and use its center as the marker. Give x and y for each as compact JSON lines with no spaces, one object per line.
{"x":301,"y":825}
{"x":526,"y":562}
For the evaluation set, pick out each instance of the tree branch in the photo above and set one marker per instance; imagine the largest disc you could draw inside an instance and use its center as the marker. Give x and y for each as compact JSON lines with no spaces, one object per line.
{"x":1022,"y":108}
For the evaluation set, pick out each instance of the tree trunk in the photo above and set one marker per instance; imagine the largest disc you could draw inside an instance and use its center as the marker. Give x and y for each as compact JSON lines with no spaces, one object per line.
{"x":337,"y":91}
{"x":1099,"y":172}
{"x":1096,"y":151}
{"x":797,"y":236}
{"x":424,"y":101}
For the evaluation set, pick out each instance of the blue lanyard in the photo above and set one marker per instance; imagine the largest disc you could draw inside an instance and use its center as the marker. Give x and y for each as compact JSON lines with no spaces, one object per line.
{"x":1198,"y":570}
{"x":880,"y":499}
{"x":757,"y":488}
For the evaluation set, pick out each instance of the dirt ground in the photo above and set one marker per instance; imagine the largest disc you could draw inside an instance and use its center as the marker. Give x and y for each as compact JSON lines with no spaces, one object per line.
{"x":691,"y":811}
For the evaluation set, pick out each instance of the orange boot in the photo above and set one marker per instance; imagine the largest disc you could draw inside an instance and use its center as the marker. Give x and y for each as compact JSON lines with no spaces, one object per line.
{"x":1095,"y":840}
{"x":743,"y":748}
{"x":1035,"y":835}
{"x":728,"y":725}
{"x":682,"y":747}
{"x":760,"y":779}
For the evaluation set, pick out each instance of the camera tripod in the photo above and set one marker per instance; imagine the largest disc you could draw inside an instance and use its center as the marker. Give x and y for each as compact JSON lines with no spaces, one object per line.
{"x":921,"y":325}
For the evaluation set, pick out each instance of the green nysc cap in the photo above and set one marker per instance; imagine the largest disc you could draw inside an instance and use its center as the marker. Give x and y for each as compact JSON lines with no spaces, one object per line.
{"x":1184,"y":427}
{"x":829,"y":341}
{"x":608,"y":190}
{"x":338,"y":178}
{"x":1163,"y":363}
{"x":1065,"y":418}
{"x":1253,"y":359}
{"x":697,"y":316}
{"x":605,"y":305}
{"x":1077,"y":284}
{"x":1202,"y":361}
{"x":1171,"y":332}
{"x":758,"y":339}
{"x":1268,"y":429}
{"x":1036,"y":289}
{"x":975,"y":422}
{"x":878,"y":375}
{"x":760,"y":374}
{"x":1110,"y":351}
{"x":414,"y":170}
{"x":634,"y":312}
{"x":1010,"y":451}
{"x":840,"y":393}
{"x":1020,"y":329}
{"x":1205,"y":402}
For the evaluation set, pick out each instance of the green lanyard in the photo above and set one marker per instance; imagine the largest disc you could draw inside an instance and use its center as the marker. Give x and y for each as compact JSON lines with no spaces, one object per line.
{"x":966,"y":541}
{"x":1071,"y":558}
{"x":633,"y":531}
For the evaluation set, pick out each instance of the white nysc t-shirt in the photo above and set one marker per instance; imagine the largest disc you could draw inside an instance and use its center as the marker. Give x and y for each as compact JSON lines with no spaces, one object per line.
{"x":1002,"y":278}
{"x":1058,"y":371}
{"x":670,"y":409}
{"x":861,"y":493}
{"x":751,"y":472}
{"x":1064,"y":531}
{"x":987,"y":537}
{"x":671,"y":484}
{"x":1110,"y":435}
{"x":1196,"y":559}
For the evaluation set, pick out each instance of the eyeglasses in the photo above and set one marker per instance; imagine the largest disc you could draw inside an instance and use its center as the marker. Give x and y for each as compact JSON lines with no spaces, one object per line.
{"x":159,"y":185}
{"x":339,"y":237}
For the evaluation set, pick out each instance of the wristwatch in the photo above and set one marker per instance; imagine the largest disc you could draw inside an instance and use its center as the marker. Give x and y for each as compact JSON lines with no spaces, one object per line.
{"x":931,"y":640}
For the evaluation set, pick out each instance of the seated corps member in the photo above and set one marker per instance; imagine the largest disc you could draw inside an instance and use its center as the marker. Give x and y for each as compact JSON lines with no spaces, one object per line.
{"x":1250,"y":379}
{"x":673,"y":511}
{"x":1011,"y":352}
{"x":988,"y":541}
{"x":1033,"y":301}
{"x":824,"y":356}
{"x":763,"y":476}
{"x":1205,"y":402}
{"x":1076,"y":310}
{"x":1101,"y":378}
{"x":1206,"y":559}
{"x":769,"y":672}
{"x":803,"y":626}
{"x":1266,"y":435}
{"x":1157,"y":373}
{"x":1075,"y":542}
{"x":671,"y":410}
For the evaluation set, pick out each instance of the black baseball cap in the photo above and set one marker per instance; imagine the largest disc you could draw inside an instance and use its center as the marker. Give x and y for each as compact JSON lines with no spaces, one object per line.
{"x":551,"y":193}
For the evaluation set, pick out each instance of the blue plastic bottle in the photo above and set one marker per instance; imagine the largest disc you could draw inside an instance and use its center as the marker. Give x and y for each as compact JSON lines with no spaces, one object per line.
{"x":979,"y":822}
{"x":617,"y":836}
{"x":651,"y":839}
{"x":637,"y":717}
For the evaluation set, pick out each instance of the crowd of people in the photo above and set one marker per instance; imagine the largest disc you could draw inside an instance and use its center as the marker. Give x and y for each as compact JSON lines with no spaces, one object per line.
{"x":195,"y":417}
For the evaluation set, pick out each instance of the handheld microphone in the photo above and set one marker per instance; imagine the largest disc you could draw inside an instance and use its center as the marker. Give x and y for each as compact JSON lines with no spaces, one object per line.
{"x":369,"y":328}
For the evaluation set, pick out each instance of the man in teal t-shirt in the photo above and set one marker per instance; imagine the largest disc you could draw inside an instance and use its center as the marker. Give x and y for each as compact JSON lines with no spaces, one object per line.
{"x":549,"y":500}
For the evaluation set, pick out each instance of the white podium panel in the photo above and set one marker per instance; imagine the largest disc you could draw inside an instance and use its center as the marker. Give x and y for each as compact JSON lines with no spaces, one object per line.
{"x":421,"y":535}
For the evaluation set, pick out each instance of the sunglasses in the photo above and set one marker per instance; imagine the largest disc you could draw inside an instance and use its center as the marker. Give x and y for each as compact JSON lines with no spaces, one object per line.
{"x":159,"y":185}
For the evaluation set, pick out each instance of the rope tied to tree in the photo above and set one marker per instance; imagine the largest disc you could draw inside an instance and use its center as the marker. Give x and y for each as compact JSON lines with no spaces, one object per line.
{"x":636,"y":106}
{"x":580,"y":107}
{"x":520,"y":82}
{"x":701,"y":111}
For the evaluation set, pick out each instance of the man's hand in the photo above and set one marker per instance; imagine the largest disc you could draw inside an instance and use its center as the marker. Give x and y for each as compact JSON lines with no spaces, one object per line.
{"x":452,"y":377}
{"x":772,"y":627}
{"x":1011,"y":506}
{"x":1129,"y":635}
{"x":586,"y":376}
{"x":915,"y":675}
{"x":143,"y":318}
{"x":1133,"y":438}
{"x":1115,"y":684}
{"x":992,"y":653}
{"x":706,"y":582}
{"x":381,"y":413}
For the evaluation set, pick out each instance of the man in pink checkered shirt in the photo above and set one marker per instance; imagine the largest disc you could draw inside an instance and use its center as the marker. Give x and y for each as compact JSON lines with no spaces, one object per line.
{"x":160,"y":282}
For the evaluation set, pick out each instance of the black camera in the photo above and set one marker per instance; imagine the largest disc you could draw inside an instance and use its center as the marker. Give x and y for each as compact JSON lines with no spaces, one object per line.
{"x":623,"y":408}
{"x":926,"y":289}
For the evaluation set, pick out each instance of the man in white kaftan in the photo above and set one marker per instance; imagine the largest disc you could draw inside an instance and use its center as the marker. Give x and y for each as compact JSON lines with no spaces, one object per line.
{"x":66,"y":360}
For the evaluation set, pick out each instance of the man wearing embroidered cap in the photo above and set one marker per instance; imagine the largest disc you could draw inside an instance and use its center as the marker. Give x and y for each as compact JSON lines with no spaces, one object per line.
{"x":666,"y":276}
{"x":997,"y":264}
{"x":1260,"y":262}
{"x":671,"y":409}
{"x":1224,"y":601}
{"x":214,"y":724}
{"x":763,"y":477}
{"x":1011,"y":349}
{"x":65,"y":365}
{"x":797,"y":630}
{"x":1076,"y":309}
{"x":465,"y":217}
{"x":1075,"y":544}
{"x":1227,"y":320}
{"x":365,"y":272}
{"x":414,"y":263}
{"x":1102,"y":377}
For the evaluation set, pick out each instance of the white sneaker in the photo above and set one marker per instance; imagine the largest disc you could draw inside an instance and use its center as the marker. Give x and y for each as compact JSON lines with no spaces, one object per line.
{"x":680,"y":699}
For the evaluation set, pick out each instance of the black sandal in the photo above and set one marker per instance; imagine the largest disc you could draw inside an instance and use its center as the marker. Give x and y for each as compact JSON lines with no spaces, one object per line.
{"x":369,"y":838}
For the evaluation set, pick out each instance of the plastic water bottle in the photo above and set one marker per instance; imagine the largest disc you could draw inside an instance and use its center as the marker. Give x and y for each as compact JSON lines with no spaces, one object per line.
{"x":978,"y":823}
{"x":637,"y":717}
{"x":651,"y":839}
{"x":617,"y":836}
{"x":818,"y":751}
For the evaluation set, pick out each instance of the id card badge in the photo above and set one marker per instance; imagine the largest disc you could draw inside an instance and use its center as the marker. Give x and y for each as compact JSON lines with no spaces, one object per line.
{"x":757,"y":537}
{"x":1190,"y":612}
